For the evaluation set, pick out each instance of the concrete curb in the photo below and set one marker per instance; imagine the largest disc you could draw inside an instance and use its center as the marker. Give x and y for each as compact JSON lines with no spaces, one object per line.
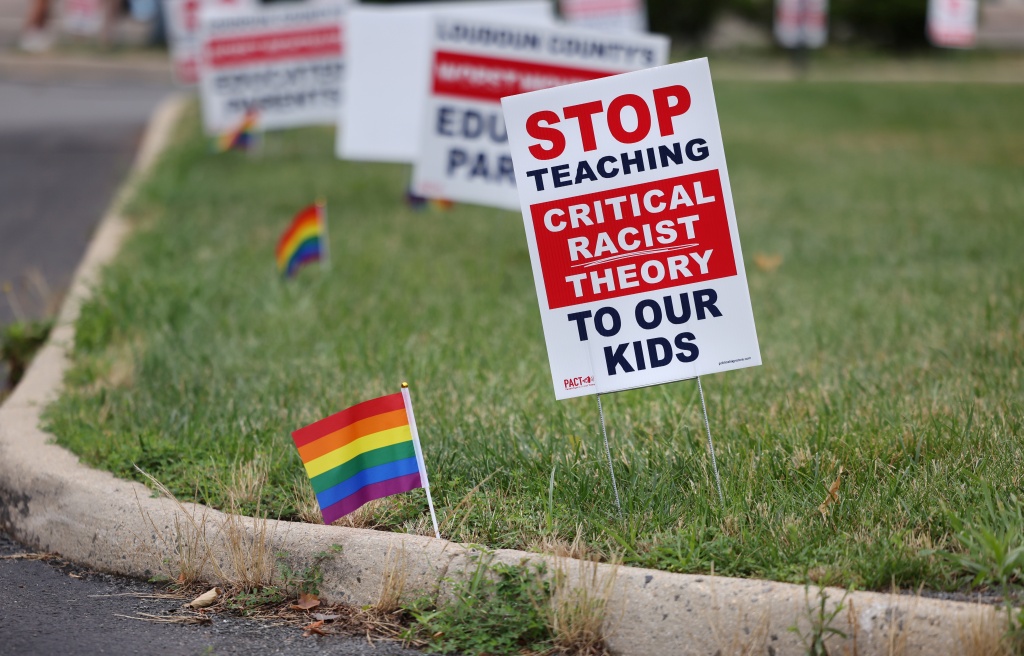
{"x":49,"y":499}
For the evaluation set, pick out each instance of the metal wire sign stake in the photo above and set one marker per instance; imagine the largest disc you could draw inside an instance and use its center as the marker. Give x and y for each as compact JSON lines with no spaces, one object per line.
{"x":711,"y":445}
{"x":608,"y":452}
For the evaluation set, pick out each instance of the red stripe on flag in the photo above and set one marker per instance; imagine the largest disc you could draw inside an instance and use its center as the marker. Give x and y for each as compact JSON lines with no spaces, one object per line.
{"x":336,"y":422}
{"x":305,"y":217}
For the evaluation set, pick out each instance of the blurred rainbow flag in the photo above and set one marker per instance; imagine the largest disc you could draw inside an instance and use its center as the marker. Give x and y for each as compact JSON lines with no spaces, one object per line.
{"x":304,"y":241}
{"x":242,"y":136}
{"x":367,"y":452}
{"x":420,"y":203}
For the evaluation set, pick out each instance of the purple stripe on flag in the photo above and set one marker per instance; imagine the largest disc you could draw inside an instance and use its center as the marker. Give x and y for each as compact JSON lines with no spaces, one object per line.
{"x":369,"y":493}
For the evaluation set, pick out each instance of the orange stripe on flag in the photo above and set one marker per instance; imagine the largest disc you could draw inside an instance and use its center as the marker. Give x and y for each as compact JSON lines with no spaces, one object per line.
{"x":352,"y":432}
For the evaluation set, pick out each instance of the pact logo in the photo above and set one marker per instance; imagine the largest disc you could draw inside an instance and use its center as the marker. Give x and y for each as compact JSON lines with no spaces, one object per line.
{"x":578,"y":382}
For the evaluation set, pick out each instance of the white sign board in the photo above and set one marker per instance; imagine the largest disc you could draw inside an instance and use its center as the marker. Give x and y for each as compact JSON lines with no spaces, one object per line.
{"x":801,"y":23}
{"x":474,"y":63}
{"x":953,"y":23}
{"x":182,"y":18}
{"x":387,"y":76}
{"x":631,"y":230}
{"x":284,"y":61}
{"x":83,"y":17}
{"x":606,"y":15}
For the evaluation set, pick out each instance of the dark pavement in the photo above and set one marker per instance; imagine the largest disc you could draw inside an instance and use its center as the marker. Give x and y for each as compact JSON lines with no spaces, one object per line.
{"x":52,"y":607}
{"x":67,"y":138}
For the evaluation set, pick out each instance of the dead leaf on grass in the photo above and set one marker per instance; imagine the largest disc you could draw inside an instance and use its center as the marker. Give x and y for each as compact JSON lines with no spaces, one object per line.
{"x":767,"y":262}
{"x":206,"y":599}
{"x":306,"y":602}
{"x":833,"y":495}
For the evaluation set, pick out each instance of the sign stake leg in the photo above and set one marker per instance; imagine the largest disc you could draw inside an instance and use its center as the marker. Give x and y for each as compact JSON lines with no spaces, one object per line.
{"x":608,"y":453}
{"x":711,"y":445}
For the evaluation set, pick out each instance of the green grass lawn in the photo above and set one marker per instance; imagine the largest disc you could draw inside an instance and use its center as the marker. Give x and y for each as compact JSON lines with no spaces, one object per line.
{"x":892,"y":334}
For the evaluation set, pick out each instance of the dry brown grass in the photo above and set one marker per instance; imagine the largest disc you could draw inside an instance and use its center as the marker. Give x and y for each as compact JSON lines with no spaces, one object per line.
{"x":248,"y":480}
{"x":559,"y":547}
{"x":983,"y":633}
{"x":306,"y":505}
{"x":366,"y":515}
{"x":392,"y":584}
{"x":188,"y":542}
{"x":247,"y":541}
{"x":579,"y":607}
{"x":251,"y":563}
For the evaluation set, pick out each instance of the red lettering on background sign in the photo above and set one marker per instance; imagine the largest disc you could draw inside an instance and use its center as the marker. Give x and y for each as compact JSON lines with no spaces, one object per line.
{"x":275,"y":46}
{"x":488,"y":78}
{"x":635,"y":239}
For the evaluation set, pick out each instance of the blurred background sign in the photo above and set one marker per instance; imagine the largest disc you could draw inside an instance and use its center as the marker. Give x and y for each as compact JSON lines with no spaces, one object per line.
{"x":801,"y":23}
{"x":608,"y":15}
{"x":953,"y":23}
{"x":82,"y":17}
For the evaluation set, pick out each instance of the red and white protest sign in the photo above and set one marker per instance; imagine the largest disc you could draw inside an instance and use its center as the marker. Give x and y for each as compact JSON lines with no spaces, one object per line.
{"x":388,"y":71}
{"x":464,"y":153}
{"x":285,"y":62}
{"x":83,"y":17}
{"x":606,"y":15}
{"x":182,"y":18}
{"x":631,"y":230}
{"x":953,"y":23}
{"x":801,"y":23}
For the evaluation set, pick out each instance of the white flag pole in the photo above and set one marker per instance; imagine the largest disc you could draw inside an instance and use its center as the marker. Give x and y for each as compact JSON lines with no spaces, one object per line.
{"x":325,"y":261}
{"x":419,"y":455}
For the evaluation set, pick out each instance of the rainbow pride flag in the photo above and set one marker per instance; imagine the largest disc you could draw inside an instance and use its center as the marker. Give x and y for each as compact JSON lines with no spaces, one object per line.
{"x":420,"y":203}
{"x":242,"y":136}
{"x":304,"y":241}
{"x":366,"y":452}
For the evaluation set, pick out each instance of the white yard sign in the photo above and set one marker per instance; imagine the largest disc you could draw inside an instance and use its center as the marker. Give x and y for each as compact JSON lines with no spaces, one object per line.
{"x":284,"y":61}
{"x":182,"y":18}
{"x":387,"y":77}
{"x":801,"y":23}
{"x":464,"y":154}
{"x":631,"y":230}
{"x":83,"y":17}
{"x":606,"y":15}
{"x":953,"y":23}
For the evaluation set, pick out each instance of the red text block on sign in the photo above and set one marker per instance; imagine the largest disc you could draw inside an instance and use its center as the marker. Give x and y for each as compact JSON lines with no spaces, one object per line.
{"x":488,"y":78}
{"x":275,"y":46}
{"x":633,"y":239}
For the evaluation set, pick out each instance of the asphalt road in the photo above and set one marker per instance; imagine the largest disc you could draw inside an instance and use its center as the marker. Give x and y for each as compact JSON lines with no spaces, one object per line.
{"x":67,"y":138}
{"x":52,"y":607}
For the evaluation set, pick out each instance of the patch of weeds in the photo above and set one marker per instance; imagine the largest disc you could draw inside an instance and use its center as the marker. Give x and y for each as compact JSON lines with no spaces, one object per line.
{"x":256,"y":600}
{"x":308,"y":579}
{"x":821,"y":619}
{"x":991,"y":546}
{"x":497,"y":610}
{"x":19,"y":342}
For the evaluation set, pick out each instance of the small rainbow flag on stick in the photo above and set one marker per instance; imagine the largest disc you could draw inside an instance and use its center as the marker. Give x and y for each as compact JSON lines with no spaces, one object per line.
{"x":304,"y":241}
{"x":242,"y":136}
{"x":367,"y":452}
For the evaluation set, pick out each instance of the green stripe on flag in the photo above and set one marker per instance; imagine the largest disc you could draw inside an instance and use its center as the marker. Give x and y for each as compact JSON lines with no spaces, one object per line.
{"x":380,"y":456}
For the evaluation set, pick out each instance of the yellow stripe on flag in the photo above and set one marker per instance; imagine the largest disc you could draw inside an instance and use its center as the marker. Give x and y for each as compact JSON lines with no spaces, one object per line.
{"x":300,"y":236}
{"x":362,"y":445}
